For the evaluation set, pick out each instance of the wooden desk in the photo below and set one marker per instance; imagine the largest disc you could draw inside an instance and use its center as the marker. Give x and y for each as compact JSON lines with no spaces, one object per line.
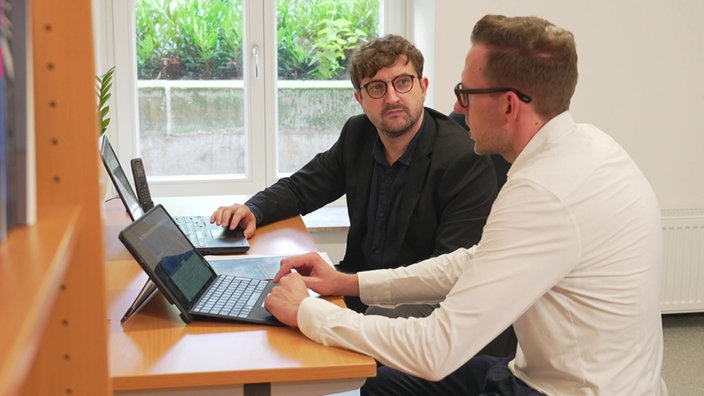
{"x":155,"y":353}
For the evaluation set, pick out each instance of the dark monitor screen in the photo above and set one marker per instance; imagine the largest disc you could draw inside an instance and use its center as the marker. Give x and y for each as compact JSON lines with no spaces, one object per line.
{"x":162,"y":249}
{"x":119,"y":179}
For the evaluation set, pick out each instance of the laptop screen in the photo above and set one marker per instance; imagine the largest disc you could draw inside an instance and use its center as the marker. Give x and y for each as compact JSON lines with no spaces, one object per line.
{"x":160,"y":245}
{"x":119,"y":179}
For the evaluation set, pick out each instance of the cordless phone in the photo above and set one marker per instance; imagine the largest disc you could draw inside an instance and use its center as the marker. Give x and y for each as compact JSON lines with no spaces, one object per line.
{"x":140,"y":183}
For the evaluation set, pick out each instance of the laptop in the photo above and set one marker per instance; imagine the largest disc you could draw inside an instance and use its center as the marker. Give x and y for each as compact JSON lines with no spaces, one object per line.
{"x":208,"y":238}
{"x":186,"y":278}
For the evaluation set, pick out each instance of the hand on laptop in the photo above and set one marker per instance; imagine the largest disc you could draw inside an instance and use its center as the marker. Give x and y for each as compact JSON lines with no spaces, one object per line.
{"x":233,"y":216}
{"x":298,"y":273}
{"x":284,"y":299}
{"x":318,"y":275}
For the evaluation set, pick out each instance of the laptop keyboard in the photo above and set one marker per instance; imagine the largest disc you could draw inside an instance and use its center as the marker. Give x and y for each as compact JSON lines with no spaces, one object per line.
{"x":195,"y":229}
{"x":220,"y":300}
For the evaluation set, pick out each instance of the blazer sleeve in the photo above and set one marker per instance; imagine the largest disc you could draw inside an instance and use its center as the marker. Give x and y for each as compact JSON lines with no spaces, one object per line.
{"x":319,"y":182}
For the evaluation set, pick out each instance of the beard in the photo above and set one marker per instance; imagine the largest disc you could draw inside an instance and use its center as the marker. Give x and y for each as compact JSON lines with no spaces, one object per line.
{"x":489,"y":142}
{"x":398,"y":126}
{"x":483,"y":146}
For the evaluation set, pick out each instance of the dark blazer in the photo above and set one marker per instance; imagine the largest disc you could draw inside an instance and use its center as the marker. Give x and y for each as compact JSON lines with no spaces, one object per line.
{"x":447,"y":197}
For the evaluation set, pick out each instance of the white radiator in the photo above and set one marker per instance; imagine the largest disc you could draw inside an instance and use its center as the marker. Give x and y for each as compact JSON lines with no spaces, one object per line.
{"x":683,"y":265}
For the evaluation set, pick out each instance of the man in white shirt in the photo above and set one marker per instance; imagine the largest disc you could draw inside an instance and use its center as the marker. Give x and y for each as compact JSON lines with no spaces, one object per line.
{"x":570,"y":254}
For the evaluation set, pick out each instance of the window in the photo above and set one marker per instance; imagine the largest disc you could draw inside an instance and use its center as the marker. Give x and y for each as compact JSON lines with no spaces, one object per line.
{"x":230,"y":95}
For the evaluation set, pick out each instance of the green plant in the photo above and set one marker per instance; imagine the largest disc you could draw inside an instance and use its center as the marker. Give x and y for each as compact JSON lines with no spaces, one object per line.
{"x":103,"y":86}
{"x":317,"y":36}
{"x":189,"y":40}
{"x":202,"y":39}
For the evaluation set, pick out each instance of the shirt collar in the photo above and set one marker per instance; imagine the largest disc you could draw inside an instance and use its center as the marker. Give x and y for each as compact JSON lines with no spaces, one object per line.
{"x":557,"y":126}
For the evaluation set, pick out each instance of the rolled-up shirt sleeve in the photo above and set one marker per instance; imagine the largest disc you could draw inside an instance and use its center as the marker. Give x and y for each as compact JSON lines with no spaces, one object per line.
{"x":317,"y":316}
{"x":470,"y":284}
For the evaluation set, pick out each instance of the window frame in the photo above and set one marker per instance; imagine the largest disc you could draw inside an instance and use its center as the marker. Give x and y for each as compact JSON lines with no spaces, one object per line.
{"x":118,"y":48}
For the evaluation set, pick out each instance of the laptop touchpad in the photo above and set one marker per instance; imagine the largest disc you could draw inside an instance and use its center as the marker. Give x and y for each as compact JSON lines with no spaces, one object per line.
{"x":225,"y":233}
{"x":218,"y":233}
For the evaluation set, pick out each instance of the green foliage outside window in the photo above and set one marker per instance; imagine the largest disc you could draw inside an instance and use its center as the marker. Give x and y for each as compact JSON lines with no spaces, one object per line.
{"x":201,"y":39}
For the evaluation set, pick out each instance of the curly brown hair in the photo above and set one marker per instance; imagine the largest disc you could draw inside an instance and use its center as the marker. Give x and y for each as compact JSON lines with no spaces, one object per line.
{"x":382,"y":52}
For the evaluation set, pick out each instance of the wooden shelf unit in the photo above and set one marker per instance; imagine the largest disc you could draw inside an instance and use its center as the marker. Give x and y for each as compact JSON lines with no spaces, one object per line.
{"x":52,"y":273}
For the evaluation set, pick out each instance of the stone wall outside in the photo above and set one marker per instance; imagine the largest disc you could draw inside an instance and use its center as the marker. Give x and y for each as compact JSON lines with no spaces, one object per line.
{"x":199,"y":130}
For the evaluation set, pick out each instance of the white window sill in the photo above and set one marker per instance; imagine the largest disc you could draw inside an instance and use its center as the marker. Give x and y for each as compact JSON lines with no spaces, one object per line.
{"x":327,"y":219}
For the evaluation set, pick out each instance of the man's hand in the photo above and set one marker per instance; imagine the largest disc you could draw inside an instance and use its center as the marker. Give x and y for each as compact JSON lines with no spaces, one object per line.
{"x":284,"y":299}
{"x":319,"y":276}
{"x":296,"y":276}
{"x":233,"y":216}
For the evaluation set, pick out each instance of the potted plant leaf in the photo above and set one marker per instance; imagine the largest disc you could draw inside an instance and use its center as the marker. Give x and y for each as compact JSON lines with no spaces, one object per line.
{"x":103,"y":86}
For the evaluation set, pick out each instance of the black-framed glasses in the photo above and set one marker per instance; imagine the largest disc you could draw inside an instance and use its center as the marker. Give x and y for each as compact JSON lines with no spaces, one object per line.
{"x":463,"y":93}
{"x":402,"y":84}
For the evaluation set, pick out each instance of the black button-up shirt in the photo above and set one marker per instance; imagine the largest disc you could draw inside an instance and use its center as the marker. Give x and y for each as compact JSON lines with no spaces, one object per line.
{"x":382,"y":243}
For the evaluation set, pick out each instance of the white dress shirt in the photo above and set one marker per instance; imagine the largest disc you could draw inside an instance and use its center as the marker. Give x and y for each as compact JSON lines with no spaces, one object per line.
{"x":570,"y":254}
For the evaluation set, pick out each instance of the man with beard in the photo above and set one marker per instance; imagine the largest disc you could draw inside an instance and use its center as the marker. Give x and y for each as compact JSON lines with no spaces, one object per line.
{"x":414,"y":187}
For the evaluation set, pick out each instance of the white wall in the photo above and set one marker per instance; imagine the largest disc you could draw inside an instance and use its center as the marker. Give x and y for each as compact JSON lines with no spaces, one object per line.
{"x":641,"y":78}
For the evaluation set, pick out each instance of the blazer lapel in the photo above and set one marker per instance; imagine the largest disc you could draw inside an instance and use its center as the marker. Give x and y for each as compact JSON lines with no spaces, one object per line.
{"x":362,"y":181}
{"x":417,"y":172}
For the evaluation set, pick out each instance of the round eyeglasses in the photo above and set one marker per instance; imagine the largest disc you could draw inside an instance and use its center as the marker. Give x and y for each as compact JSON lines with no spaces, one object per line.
{"x":463,"y":93}
{"x":402,"y":84}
